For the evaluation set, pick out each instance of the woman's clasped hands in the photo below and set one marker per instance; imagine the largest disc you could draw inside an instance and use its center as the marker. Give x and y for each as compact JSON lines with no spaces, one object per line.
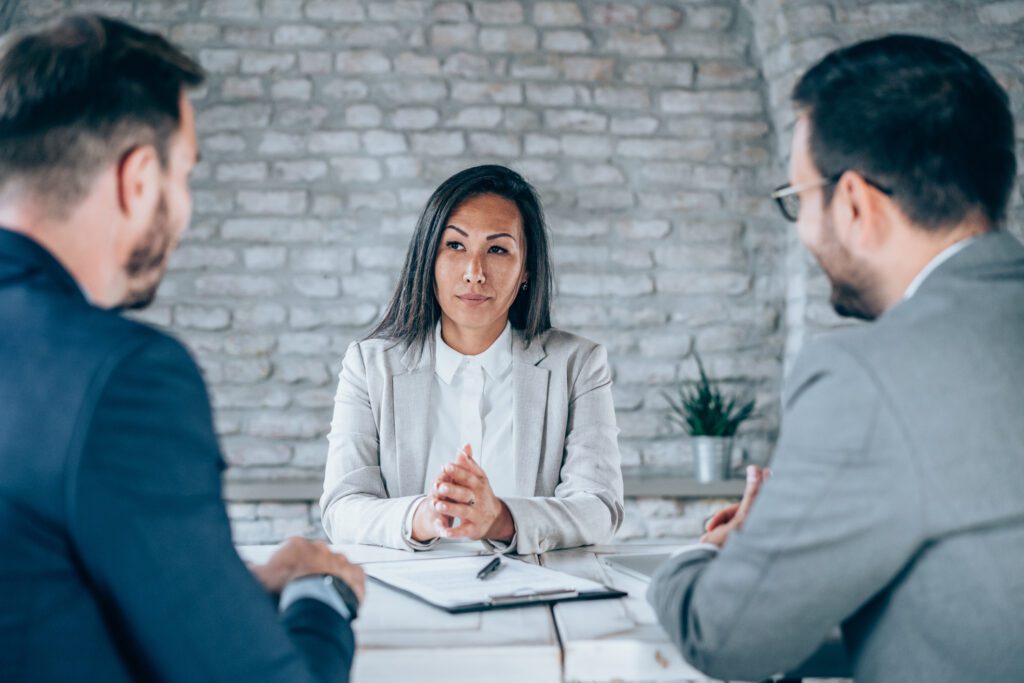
{"x":461,"y":491}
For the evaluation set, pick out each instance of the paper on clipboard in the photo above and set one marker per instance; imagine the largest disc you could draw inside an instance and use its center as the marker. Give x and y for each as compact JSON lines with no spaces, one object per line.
{"x":451,"y":583}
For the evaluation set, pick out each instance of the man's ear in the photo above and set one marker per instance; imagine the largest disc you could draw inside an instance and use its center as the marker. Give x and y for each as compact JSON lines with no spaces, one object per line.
{"x":138,"y":184}
{"x":864,"y":225}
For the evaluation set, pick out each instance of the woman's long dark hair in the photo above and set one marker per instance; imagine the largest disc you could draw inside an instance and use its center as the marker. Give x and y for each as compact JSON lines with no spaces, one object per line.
{"x":413,"y":312}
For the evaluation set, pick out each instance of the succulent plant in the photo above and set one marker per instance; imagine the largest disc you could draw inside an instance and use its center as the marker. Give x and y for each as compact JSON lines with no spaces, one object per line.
{"x":703,"y":410}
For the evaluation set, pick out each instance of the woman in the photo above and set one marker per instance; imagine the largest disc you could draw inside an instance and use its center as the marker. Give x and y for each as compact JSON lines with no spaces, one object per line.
{"x":464,"y":414}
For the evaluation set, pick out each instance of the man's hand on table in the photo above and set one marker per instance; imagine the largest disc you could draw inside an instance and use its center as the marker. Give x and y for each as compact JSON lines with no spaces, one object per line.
{"x":728,"y":519}
{"x":298,"y":557}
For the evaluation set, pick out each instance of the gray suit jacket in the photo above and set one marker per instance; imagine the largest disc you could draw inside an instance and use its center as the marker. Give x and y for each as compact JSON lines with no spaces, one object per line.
{"x":896,"y":508}
{"x":567,"y":468}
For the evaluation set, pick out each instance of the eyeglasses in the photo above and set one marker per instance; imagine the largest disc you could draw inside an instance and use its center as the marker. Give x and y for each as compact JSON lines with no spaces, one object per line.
{"x":788,"y":196}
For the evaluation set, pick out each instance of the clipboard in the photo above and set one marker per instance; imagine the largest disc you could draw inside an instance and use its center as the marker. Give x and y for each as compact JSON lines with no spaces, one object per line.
{"x":450,"y":584}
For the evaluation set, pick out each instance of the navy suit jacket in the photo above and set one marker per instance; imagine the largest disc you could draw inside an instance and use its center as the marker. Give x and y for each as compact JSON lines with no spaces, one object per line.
{"x":116,"y":561}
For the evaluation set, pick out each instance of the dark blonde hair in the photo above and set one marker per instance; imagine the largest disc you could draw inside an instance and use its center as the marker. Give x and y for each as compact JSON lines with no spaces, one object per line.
{"x":80,"y":93}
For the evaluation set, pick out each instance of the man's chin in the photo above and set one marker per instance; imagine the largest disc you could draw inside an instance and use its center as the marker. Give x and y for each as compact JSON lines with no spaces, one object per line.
{"x":142,"y":296}
{"x":140,"y":300}
{"x":849,"y":304}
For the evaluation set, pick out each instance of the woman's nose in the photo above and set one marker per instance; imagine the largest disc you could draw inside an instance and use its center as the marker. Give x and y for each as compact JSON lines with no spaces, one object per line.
{"x":474,"y":272}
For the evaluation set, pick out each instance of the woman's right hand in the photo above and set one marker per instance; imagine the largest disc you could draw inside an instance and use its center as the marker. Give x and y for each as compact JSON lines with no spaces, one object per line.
{"x":426,"y":521}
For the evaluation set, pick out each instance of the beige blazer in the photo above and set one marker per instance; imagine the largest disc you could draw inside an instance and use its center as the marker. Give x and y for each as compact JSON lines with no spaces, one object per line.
{"x":567,"y":469}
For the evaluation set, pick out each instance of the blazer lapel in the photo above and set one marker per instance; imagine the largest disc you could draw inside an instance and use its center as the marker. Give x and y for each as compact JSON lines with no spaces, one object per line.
{"x":530,"y":401}
{"x":412,"y":415}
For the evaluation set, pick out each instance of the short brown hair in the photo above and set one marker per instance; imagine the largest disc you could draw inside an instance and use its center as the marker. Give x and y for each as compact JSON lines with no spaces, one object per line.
{"x":78,"y":94}
{"x":919,"y":116}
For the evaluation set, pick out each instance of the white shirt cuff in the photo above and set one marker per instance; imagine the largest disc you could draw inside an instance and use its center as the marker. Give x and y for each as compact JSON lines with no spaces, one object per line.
{"x":696,"y":546}
{"x":316,"y":588}
{"x":407,"y":529}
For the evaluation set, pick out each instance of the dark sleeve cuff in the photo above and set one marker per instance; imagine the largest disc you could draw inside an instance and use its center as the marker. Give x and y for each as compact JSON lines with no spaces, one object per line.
{"x":323,"y":636}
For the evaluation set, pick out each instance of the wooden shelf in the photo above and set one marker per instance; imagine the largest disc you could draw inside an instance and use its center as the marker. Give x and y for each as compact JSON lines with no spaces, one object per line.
{"x":671,"y":483}
{"x":676,"y":483}
{"x":289,"y":491}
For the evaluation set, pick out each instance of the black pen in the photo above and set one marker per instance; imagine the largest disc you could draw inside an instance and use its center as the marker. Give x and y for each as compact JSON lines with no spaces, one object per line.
{"x":491,"y":567}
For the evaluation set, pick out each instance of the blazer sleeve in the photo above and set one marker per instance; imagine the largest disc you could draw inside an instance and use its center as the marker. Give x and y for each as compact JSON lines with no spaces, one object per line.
{"x":150,"y":531}
{"x":587,"y":506}
{"x":834,"y":525}
{"x":355,"y":503}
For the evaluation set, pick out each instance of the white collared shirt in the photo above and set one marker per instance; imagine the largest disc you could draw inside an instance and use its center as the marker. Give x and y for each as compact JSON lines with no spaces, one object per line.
{"x":471,"y":402}
{"x":943,"y":256}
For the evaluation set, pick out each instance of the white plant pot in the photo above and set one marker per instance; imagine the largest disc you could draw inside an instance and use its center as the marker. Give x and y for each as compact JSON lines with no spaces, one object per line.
{"x":712,"y":457}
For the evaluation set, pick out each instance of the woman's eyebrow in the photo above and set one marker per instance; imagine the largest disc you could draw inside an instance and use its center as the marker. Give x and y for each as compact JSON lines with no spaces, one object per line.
{"x":489,"y":237}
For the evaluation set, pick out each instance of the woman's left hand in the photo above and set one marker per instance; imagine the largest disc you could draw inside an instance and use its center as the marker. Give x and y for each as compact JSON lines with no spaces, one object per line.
{"x":463,"y":491}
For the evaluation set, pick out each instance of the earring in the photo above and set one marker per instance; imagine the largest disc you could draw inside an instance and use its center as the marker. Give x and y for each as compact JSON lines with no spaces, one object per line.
{"x":524,"y":287}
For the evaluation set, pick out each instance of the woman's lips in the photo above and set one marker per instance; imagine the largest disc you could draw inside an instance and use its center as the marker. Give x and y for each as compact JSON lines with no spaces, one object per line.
{"x":472,"y":299}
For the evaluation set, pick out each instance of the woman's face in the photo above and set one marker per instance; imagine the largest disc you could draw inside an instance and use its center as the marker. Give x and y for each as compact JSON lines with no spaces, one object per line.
{"x":480,"y":265}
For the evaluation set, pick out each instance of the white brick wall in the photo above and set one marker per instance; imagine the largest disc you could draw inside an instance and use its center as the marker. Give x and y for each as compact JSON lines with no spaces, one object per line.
{"x":652,"y":130}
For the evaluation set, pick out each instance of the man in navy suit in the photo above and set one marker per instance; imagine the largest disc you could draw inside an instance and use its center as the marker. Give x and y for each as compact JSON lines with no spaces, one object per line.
{"x":117,"y":562}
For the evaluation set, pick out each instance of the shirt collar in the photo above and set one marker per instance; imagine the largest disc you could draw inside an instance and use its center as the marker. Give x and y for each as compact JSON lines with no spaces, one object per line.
{"x":943,"y":256}
{"x":495,"y":360}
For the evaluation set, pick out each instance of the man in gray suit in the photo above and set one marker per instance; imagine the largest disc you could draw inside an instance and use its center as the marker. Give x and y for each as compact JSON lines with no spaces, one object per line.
{"x":894,"y":509}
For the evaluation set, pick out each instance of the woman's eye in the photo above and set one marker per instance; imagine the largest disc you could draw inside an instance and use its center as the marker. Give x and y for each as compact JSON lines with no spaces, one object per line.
{"x":498,"y":250}
{"x":454,"y":245}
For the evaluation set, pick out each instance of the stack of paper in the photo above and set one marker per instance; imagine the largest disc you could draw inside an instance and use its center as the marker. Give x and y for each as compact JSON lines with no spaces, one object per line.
{"x":451,"y":583}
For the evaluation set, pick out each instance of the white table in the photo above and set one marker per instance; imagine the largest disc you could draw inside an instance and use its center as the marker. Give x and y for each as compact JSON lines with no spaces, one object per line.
{"x":614,"y":640}
{"x":401,"y":639}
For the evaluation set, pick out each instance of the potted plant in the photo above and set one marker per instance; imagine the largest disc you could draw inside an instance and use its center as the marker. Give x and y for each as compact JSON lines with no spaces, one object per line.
{"x":711,"y":419}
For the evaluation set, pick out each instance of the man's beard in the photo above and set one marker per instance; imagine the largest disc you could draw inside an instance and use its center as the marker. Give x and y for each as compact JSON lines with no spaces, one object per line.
{"x":849,"y":302}
{"x":853,"y":285}
{"x":147,"y":262}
